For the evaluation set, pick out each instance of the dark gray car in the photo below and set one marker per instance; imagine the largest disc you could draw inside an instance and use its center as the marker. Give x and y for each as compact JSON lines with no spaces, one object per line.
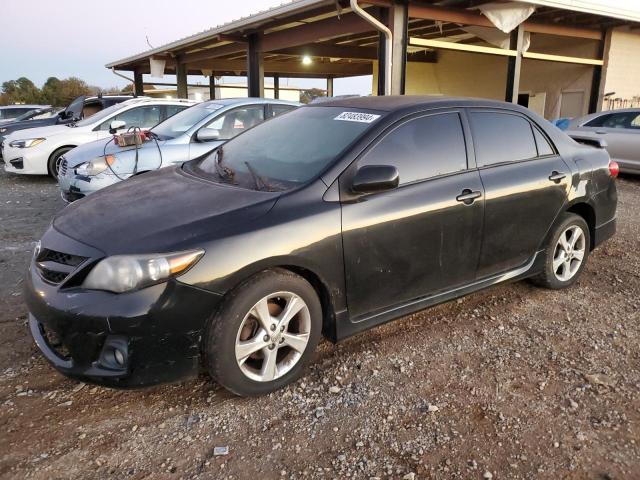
{"x":620,"y":129}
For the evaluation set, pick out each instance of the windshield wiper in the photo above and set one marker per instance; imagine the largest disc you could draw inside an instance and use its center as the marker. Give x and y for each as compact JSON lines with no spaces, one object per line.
{"x":257,"y":179}
{"x":223,"y":171}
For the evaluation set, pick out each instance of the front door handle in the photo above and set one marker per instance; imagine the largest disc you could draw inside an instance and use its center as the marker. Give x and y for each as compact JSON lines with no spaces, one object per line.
{"x":557,"y":176}
{"x":468,"y":196}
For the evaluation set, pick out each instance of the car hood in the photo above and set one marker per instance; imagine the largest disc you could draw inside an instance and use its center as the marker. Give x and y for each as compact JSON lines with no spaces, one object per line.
{"x":40,"y":132}
{"x":98,"y":148}
{"x":161,"y":211}
{"x":29,"y":124}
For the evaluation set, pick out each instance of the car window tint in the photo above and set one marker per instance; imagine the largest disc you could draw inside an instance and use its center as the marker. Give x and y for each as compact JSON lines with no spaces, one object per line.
{"x":501,"y":137}
{"x":280,"y":109}
{"x":630,"y":120}
{"x":544,"y":147}
{"x":236,"y":121}
{"x":143,"y":117}
{"x":422,"y":148}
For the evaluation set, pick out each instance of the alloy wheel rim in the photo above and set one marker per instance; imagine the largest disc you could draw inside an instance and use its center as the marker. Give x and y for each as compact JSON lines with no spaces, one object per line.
{"x":569,"y":253}
{"x":56,"y":166}
{"x":273,"y":336}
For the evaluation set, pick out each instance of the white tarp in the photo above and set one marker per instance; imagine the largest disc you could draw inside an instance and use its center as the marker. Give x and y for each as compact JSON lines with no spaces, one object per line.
{"x":156,"y":65}
{"x":496,"y":37}
{"x":507,"y":16}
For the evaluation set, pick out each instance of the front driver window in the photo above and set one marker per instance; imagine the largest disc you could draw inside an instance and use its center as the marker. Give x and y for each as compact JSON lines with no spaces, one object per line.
{"x":236,"y":121}
{"x":422,"y":148}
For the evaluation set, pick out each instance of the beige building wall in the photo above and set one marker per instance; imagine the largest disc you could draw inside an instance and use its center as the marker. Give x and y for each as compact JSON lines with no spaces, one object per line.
{"x":622,"y":69}
{"x":479,"y":75}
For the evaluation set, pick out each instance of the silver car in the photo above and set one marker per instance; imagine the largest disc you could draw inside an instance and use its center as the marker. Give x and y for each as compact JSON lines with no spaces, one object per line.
{"x":620,"y":129}
{"x":186,"y":135}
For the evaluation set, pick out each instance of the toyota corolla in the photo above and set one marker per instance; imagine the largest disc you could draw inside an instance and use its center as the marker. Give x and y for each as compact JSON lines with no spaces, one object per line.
{"x":327,"y":221}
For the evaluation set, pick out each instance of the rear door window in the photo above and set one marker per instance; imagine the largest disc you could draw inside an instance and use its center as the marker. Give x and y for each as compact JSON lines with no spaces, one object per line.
{"x":626,"y":120}
{"x":277,"y":109}
{"x":422,"y":148}
{"x":501,"y":137}
{"x":144,"y":117}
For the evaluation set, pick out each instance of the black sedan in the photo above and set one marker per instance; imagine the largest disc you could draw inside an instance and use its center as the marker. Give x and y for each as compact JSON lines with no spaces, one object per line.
{"x":328,"y":220}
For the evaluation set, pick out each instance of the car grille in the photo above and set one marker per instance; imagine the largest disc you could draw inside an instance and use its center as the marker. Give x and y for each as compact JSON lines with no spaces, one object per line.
{"x":55,"y":267}
{"x":63,"y":167}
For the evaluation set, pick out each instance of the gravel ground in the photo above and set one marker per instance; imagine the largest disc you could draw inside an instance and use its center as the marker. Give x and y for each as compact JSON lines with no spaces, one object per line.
{"x":513,"y":382}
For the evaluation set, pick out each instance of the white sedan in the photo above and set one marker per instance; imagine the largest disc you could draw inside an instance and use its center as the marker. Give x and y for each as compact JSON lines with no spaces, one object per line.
{"x":38,"y":151}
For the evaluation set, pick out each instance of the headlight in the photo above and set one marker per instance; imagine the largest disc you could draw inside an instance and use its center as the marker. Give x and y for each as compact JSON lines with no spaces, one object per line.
{"x":95,"y":167}
{"x":122,"y":273}
{"x":27,"y":143}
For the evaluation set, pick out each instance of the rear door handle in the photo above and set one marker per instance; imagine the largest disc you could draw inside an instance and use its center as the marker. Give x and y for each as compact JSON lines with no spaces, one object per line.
{"x":557,"y":176}
{"x":468,"y":196}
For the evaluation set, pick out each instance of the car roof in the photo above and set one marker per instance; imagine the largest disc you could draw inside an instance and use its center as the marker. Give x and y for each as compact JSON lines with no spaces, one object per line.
{"x":393,"y":103}
{"x":24,"y":106}
{"x":250,"y":100}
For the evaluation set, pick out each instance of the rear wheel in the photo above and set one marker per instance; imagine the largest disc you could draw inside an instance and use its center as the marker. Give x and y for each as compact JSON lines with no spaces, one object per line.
{"x":53,"y":166}
{"x":567,"y":253}
{"x":264,"y":334}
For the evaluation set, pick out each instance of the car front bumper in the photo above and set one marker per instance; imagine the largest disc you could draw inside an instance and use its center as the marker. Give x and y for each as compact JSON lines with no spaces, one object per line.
{"x":74,"y":186}
{"x":158,"y":330}
{"x":27,"y":161}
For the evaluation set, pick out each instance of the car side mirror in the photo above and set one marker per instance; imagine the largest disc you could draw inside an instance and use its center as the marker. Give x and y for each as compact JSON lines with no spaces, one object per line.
{"x":375,"y":178}
{"x":208,"y":135}
{"x":116,"y":125}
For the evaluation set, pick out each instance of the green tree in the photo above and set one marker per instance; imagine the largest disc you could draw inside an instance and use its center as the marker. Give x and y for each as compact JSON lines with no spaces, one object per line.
{"x":307,"y":96}
{"x":51,"y":92}
{"x":21,"y":90}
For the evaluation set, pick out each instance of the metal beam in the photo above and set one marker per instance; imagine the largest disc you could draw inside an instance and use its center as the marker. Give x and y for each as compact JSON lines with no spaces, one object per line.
{"x":599,"y":74}
{"x":276,"y":86}
{"x":382,"y":51}
{"x":562,"y":58}
{"x":331,"y":51}
{"x":239,"y":67}
{"x":514,"y":65}
{"x":255,"y":66}
{"x":138,"y":83}
{"x":329,"y":86}
{"x":467,"y":18}
{"x":181,"y":80}
{"x":421,"y":42}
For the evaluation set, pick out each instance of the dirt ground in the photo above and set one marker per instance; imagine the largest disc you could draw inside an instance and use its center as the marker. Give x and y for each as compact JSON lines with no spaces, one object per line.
{"x":513,"y":382}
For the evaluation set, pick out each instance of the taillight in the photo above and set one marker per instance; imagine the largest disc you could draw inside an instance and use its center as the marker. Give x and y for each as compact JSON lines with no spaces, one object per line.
{"x":614,"y":169}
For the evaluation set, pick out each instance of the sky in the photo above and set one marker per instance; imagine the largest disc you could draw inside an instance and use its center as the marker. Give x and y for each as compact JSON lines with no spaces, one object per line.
{"x":62,"y":38}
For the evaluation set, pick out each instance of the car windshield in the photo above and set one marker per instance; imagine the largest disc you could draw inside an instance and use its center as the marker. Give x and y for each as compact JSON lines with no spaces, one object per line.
{"x":101,"y":115}
{"x":288,"y":150}
{"x":182,"y":121}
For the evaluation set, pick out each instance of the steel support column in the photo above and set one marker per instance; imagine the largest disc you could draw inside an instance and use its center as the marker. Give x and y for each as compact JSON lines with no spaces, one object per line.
{"x":276,"y":86}
{"x":383,"y":16}
{"x":329,"y":86}
{"x":514,"y":65}
{"x":181,"y":79}
{"x":400,"y":29}
{"x":255,"y":65}
{"x":138,"y":83}
{"x":212,"y":87}
{"x":599,"y":74}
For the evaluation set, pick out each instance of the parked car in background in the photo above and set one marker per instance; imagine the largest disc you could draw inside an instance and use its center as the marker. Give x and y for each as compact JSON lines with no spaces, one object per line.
{"x":35,"y":114}
{"x":619,"y":129}
{"x":331,"y":219}
{"x":12,"y":112}
{"x":38,"y":151}
{"x":81,"y":107}
{"x":187,"y":135}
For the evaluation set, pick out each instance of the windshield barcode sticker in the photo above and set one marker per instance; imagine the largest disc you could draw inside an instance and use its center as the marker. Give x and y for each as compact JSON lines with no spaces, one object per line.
{"x":357,"y":117}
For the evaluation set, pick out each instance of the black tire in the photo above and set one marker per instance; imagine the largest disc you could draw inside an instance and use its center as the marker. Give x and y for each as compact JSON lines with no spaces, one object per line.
{"x":224,"y":330}
{"x":548,"y":277}
{"x":52,"y":164}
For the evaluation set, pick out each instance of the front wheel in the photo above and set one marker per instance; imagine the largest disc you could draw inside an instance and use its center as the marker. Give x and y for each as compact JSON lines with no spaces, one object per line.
{"x":264,"y":334}
{"x":567,"y":253}
{"x":55,"y":160}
